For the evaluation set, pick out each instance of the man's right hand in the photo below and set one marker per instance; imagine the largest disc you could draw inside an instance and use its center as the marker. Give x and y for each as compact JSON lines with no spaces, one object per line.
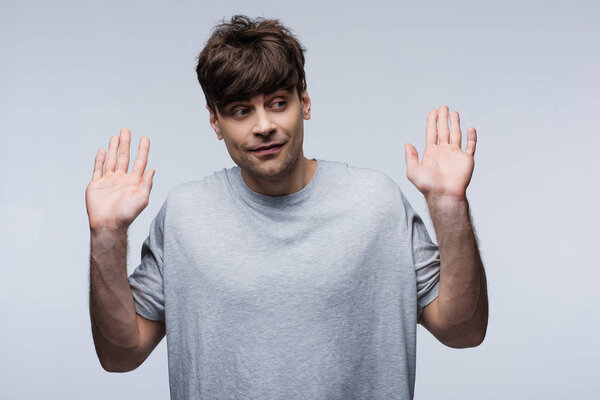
{"x":114,"y":198}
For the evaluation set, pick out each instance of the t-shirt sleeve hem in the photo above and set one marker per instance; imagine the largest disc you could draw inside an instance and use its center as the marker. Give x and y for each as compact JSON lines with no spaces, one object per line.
{"x":430,"y":296}
{"x":153,"y":316}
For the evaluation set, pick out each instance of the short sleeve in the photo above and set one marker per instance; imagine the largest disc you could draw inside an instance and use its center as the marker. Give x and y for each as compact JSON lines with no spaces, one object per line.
{"x":146,"y":281}
{"x":426,"y":258}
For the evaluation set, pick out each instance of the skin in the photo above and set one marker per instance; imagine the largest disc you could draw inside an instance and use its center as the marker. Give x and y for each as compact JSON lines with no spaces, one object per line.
{"x":458,"y":317}
{"x":115,"y":197}
{"x":261,"y":119}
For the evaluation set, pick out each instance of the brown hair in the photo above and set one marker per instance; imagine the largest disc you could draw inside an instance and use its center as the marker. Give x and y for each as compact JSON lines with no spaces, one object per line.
{"x":245,"y":57}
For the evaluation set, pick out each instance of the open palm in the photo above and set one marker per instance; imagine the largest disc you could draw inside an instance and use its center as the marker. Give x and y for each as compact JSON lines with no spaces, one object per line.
{"x":114,"y":198}
{"x":445,"y":170}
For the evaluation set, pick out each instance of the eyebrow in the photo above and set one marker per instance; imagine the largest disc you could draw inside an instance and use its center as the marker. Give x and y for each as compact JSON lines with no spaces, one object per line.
{"x":246,"y":99}
{"x":287,"y":91}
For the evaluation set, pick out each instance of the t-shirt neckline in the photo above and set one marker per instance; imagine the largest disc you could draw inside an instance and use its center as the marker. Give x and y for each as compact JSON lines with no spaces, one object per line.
{"x":286,"y":200}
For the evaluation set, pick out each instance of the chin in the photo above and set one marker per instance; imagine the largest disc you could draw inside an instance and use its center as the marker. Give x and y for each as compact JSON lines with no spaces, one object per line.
{"x":270,"y":170}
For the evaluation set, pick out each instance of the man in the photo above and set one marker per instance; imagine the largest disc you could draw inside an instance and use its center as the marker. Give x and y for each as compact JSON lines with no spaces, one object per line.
{"x":283,"y":277}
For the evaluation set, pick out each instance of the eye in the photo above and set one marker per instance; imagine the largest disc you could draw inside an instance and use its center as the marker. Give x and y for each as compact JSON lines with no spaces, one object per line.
{"x":240,"y":112}
{"x":279,"y":104}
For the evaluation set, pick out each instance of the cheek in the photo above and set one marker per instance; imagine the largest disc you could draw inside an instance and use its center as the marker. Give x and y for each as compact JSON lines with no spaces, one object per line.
{"x":235,"y":136}
{"x":291,"y":122}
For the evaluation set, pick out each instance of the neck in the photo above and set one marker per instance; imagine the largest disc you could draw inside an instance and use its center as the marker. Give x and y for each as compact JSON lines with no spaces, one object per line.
{"x":298,"y":177}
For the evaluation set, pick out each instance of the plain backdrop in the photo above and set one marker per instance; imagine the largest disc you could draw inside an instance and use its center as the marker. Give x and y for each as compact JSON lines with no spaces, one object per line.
{"x":525,"y":74}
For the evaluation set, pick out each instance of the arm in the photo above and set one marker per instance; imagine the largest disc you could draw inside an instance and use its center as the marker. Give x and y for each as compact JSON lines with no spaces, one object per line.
{"x":458,"y":317}
{"x":122,"y":338}
{"x":114,"y":198}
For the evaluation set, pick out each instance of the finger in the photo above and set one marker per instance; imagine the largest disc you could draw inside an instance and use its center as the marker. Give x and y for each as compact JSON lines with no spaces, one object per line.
{"x":455,"y":134}
{"x":146,"y":183}
{"x":412,"y":158}
{"x":98,"y":164}
{"x":111,"y":158}
{"x":142,"y":157}
{"x":123,"y":159}
{"x":443,"y":131}
{"x":471,"y":141}
{"x":431,"y":133}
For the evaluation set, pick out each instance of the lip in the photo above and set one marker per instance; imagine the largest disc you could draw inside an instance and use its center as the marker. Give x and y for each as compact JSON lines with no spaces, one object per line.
{"x":273,"y":150}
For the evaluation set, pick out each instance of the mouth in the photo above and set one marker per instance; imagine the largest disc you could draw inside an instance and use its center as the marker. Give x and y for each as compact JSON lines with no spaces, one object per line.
{"x":268,"y":149}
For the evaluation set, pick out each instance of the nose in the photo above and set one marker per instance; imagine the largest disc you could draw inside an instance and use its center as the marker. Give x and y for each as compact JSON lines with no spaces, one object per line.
{"x":263,"y":125}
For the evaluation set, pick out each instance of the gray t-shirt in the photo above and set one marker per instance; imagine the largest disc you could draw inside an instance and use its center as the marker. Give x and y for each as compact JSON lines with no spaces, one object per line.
{"x":312,"y":295}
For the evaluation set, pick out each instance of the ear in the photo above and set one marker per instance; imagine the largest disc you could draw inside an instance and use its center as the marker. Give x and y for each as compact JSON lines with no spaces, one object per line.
{"x":305,"y":103}
{"x":214,"y":122}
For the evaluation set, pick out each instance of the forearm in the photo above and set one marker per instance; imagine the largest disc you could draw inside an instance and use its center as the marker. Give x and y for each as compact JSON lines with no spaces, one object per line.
{"x":112,"y":311}
{"x":462,"y":297}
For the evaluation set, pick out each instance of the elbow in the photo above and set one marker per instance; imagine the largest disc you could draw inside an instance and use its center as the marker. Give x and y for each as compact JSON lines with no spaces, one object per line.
{"x":479,"y":339}
{"x":471,"y":333}
{"x":463,"y":343}
{"x":479,"y":330}
{"x":116,"y":360}
{"x":112,"y":366}
{"x":463,"y":336}
{"x":473,"y":339}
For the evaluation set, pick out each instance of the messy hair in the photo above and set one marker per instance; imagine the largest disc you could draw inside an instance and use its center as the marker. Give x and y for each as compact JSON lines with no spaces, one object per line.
{"x":245,"y":57}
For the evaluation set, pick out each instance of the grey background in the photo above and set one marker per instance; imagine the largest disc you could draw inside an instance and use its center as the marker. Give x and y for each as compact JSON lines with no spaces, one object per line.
{"x":525,"y":74}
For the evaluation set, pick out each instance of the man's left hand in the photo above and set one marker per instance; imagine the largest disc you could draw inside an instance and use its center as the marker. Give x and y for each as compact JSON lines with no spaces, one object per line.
{"x":445,"y":170}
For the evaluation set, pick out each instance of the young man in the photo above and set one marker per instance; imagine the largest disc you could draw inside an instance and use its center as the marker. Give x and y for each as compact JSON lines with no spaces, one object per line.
{"x":283,"y":277}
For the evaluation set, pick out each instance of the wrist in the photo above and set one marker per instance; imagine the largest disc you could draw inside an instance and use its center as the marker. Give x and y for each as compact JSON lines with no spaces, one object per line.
{"x":449,"y":215}
{"x":446,"y":202}
{"x":98,"y":231}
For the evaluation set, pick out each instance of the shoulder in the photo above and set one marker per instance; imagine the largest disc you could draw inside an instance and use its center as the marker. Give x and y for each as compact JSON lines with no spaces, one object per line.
{"x":367,"y":186}
{"x":202,"y":192}
{"x":373,"y":183}
{"x":206,"y":186}
{"x":371,"y":179}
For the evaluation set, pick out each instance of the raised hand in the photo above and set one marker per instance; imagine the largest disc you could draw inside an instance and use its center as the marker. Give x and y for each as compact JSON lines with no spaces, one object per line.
{"x":445,"y":170}
{"x":114,"y":198}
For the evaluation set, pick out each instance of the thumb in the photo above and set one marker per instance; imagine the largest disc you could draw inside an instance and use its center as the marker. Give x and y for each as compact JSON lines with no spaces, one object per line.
{"x":412,"y":158}
{"x":146,"y":183}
